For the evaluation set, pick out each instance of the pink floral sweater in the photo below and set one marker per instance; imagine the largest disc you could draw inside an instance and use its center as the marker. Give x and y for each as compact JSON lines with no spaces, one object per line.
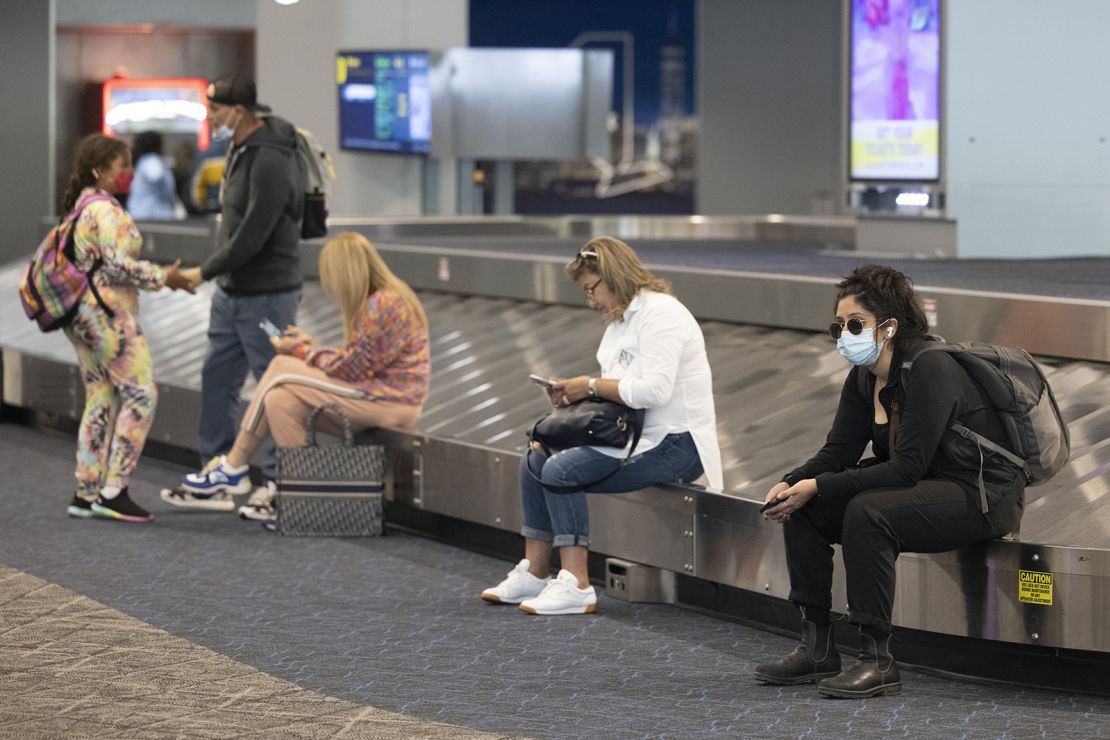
{"x":388,"y":356}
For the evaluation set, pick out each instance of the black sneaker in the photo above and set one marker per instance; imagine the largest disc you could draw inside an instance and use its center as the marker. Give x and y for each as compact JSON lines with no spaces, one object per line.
{"x":121,"y":507}
{"x":80,"y":507}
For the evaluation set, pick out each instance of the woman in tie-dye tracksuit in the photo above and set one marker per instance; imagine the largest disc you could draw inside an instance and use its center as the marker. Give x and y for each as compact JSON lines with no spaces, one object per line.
{"x":113,"y":354}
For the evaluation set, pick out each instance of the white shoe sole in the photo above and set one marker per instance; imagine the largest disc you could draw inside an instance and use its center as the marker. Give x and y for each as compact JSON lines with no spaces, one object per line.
{"x":212,"y":504}
{"x":243,"y":486}
{"x":587,"y":609}
{"x":255,"y":515}
{"x":495,"y":599}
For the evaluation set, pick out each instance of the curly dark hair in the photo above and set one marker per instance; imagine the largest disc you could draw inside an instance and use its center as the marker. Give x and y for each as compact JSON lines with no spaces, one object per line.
{"x":93,"y":153}
{"x":888,"y":294}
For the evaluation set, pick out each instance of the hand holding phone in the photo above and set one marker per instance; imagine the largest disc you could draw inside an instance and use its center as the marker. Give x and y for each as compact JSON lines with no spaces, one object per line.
{"x":770,"y":505}
{"x":540,"y":380}
{"x":269,"y":327}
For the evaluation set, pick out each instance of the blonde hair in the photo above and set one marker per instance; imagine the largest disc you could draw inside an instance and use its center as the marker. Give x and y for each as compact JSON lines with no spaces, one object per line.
{"x":351,"y":271}
{"x":619,"y":268}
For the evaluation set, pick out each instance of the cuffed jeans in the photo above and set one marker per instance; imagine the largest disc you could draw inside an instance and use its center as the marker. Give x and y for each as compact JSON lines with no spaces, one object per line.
{"x":236,"y":345}
{"x":562,"y":518}
{"x":873,"y":527}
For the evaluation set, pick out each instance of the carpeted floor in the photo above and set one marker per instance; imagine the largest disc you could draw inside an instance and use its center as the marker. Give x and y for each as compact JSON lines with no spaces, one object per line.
{"x":395,"y":624}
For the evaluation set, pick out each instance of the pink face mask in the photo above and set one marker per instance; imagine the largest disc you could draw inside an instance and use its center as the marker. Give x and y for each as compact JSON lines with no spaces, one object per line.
{"x":123,"y":182}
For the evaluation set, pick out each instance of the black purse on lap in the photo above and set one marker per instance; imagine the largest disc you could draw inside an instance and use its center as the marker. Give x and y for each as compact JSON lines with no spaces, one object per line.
{"x":594,"y":422}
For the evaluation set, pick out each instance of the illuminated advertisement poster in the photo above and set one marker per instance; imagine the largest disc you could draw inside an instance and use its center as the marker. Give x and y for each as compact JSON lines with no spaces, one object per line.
{"x":895,"y":90}
{"x":385,"y":101}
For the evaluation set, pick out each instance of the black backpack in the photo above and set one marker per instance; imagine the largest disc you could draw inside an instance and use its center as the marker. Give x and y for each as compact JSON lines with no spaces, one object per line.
{"x":1014,"y":384}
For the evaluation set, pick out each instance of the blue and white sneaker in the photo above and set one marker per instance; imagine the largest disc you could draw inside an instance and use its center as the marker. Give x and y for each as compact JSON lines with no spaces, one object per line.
{"x":217,"y":476}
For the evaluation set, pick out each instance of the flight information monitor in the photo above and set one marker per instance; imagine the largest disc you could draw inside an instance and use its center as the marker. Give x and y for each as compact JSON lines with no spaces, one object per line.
{"x":385,"y":101}
{"x":895,"y":90}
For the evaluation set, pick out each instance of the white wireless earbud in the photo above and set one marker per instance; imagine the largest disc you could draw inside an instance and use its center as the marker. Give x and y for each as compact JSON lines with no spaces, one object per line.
{"x":96,"y":174}
{"x":889,"y":332}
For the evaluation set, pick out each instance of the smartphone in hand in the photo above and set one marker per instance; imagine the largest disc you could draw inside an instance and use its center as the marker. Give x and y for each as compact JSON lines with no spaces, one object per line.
{"x":770,"y":505}
{"x":540,"y":380}
{"x":269,"y":327}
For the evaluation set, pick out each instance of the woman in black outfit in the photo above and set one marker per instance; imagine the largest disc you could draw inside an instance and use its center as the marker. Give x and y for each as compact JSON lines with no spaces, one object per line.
{"x":919,"y":493}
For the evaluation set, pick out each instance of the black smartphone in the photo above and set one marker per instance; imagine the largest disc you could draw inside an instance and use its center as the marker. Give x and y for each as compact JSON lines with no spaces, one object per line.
{"x":770,"y":505}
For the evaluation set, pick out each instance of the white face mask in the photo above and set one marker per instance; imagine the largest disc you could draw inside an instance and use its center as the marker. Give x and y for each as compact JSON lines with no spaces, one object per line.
{"x":225,"y":131}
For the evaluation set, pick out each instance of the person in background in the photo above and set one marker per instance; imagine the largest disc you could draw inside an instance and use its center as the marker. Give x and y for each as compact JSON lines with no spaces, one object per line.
{"x":207,"y":177}
{"x":113,"y":354}
{"x":152,"y":195}
{"x":652,"y":356}
{"x":919,"y":493}
{"x":256,"y":265}
{"x":379,"y":377}
{"x":184,"y":161}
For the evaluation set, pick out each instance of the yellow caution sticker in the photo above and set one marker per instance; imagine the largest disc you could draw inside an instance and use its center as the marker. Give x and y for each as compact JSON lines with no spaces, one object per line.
{"x":1035,"y":587}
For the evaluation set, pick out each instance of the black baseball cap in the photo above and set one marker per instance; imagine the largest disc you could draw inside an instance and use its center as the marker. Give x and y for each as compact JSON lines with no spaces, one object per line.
{"x":237,"y":89}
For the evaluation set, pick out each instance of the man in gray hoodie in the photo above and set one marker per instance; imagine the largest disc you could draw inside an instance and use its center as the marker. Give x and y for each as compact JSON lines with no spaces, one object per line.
{"x":257,"y":268}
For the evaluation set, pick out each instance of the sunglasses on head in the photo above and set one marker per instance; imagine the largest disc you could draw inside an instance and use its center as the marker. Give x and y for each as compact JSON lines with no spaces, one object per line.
{"x":854,"y":327}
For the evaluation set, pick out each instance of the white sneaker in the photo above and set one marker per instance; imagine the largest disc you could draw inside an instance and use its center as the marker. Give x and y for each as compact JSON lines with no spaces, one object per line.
{"x":218,"y":475}
{"x":260,"y":506}
{"x":517,"y":586}
{"x":179,"y":497}
{"x":562,"y":596}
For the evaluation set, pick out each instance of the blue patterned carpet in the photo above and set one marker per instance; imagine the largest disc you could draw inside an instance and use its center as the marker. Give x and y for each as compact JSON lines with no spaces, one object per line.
{"x":396,"y":623}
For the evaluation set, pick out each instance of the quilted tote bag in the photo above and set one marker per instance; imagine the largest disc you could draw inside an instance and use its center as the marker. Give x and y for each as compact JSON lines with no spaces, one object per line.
{"x":330,"y":490}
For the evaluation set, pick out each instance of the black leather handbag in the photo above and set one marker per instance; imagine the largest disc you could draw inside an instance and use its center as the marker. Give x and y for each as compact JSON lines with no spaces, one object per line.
{"x":592,"y":421}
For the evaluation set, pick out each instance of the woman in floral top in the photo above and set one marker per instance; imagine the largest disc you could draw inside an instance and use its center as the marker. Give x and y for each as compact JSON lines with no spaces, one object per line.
{"x":111,"y":350}
{"x":379,"y":377}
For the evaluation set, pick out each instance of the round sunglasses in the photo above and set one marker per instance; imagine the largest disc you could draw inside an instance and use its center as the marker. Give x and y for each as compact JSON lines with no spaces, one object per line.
{"x":854,"y":327}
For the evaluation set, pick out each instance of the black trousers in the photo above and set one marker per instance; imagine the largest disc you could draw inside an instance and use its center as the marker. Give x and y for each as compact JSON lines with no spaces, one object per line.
{"x":873,"y":528}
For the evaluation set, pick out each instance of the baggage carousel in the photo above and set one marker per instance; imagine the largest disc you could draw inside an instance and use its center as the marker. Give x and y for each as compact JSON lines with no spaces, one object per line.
{"x":500,"y":308}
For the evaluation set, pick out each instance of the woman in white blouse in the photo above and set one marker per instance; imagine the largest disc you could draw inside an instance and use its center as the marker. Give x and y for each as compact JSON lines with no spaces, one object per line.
{"x":651,"y":357}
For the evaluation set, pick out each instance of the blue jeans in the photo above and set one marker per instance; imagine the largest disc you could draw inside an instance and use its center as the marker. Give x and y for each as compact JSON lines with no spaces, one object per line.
{"x":562,"y":518}
{"x":237,"y":344}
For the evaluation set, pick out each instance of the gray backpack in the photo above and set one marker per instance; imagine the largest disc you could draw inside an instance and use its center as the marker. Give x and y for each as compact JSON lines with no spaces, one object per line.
{"x":1015,"y":385}
{"x":317,"y":172}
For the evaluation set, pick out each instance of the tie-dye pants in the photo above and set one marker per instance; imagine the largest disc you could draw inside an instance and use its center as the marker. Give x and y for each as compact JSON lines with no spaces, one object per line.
{"x":119,"y":396}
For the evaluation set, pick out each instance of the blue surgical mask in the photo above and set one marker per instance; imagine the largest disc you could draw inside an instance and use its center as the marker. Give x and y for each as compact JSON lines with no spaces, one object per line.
{"x":860,"y":349}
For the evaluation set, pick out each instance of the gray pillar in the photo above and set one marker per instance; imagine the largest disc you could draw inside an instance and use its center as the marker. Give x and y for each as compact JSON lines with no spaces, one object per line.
{"x":27,"y":126}
{"x":469,"y":195}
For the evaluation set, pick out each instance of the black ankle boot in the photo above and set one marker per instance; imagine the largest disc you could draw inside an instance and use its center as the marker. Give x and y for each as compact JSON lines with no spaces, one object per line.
{"x":874,"y":674}
{"x":813,"y":659}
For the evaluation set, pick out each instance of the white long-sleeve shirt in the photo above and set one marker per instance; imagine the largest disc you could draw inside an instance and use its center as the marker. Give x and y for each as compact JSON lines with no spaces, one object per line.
{"x":657,"y":353}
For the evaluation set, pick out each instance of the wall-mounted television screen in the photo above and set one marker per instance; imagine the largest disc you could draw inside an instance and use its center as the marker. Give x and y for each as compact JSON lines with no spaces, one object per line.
{"x":167,"y":105}
{"x":385,"y":101}
{"x":895,"y":90}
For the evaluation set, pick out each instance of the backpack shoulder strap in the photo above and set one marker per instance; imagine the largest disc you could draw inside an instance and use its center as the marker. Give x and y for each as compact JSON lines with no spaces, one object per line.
{"x":932,"y":343}
{"x":69,"y":250}
{"x":82,"y":204}
{"x":71,"y":219}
